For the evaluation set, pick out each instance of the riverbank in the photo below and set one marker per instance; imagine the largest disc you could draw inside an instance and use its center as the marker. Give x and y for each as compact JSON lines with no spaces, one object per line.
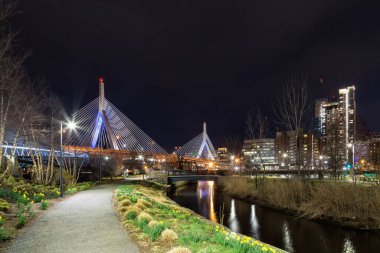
{"x":342,"y":204}
{"x":160,"y":225}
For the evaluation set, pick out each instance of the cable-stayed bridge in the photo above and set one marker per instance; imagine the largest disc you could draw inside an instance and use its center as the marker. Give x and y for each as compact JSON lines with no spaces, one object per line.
{"x":101,"y":127}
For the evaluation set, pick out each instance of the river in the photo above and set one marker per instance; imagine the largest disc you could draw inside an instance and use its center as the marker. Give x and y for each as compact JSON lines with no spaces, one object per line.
{"x":273,"y":227}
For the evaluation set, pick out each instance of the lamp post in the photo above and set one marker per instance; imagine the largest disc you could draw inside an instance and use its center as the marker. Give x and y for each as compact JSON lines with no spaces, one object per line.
{"x":71,"y":126}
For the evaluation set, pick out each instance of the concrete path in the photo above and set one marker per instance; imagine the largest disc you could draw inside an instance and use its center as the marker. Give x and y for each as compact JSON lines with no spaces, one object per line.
{"x":84,"y":222}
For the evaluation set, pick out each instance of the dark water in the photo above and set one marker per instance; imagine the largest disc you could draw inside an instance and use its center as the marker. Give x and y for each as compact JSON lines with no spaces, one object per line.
{"x":273,"y":227}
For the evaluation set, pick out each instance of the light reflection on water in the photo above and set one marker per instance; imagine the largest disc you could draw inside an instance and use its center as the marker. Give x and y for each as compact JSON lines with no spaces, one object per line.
{"x":275,"y":228}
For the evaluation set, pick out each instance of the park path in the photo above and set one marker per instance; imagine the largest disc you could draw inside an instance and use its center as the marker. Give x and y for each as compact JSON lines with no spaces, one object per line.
{"x":84,"y":222}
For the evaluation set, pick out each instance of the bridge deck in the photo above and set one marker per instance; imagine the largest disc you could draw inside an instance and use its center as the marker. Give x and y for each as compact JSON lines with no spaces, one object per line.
{"x":192,"y":178}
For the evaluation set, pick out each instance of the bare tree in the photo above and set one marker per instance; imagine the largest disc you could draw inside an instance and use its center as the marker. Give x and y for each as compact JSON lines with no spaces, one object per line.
{"x":257,"y":128}
{"x":293,"y":105}
{"x":114,"y":165}
{"x":14,"y":86}
{"x":72,"y":166}
{"x":45,"y":135}
{"x":232,"y":143}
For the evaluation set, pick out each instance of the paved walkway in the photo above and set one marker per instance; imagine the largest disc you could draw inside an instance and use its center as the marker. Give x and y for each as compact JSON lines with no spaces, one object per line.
{"x":84,"y":222}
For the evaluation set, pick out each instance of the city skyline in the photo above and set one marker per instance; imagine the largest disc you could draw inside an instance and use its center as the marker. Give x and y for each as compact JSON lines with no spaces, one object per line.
{"x":147,"y":77}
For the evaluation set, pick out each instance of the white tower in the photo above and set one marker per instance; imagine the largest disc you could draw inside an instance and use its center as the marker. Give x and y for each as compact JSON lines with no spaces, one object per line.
{"x":103,"y":121}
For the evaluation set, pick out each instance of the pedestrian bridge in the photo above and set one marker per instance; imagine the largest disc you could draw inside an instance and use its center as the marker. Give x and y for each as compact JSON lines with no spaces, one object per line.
{"x":191,"y":178}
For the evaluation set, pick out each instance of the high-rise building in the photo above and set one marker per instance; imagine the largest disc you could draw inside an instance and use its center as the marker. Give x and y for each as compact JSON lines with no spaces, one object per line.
{"x":320,"y":117}
{"x":335,"y":125}
{"x":347,"y":120}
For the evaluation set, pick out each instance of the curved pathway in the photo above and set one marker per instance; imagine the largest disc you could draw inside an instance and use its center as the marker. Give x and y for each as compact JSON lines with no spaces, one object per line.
{"x":84,"y":222}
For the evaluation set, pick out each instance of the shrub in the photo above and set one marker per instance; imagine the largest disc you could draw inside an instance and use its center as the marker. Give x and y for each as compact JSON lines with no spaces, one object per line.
{"x":125,"y":202}
{"x":179,"y":250}
{"x":130,"y":215}
{"x":144,"y":216}
{"x":4,"y":234}
{"x":168,"y":236}
{"x":21,"y":220}
{"x":4,"y":206}
{"x":44,"y":204}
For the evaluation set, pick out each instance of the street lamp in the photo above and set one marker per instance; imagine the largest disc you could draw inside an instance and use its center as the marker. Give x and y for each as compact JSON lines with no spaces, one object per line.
{"x":71,"y":126}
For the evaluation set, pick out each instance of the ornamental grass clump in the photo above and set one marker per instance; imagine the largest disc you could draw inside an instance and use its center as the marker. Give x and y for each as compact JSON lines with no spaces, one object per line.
{"x":121,"y":198}
{"x":168,"y":236}
{"x":140,"y":206}
{"x":144,"y":217}
{"x":130,"y":215}
{"x":125,"y":202}
{"x":179,"y":250}
{"x":123,"y":209}
{"x":144,"y":202}
{"x":153,"y":223}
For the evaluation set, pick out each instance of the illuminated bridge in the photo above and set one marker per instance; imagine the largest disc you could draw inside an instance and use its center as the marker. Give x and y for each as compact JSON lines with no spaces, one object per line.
{"x":102,"y":128}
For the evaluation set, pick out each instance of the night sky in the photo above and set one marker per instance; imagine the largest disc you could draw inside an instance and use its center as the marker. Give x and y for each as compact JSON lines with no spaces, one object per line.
{"x":170,"y":65}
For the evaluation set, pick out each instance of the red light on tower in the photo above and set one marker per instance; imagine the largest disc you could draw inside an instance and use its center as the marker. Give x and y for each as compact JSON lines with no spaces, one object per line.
{"x":101,"y":80}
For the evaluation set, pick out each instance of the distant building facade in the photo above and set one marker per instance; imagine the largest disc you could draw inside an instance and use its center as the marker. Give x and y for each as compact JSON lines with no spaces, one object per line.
{"x":260,"y":151}
{"x":222,"y":154}
{"x":291,"y":150}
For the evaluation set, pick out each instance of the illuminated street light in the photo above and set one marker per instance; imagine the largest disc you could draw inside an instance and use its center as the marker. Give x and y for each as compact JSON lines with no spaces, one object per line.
{"x":70,"y":125}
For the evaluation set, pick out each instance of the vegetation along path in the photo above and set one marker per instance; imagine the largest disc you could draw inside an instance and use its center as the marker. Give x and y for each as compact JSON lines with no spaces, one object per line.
{"x":84,"y":222}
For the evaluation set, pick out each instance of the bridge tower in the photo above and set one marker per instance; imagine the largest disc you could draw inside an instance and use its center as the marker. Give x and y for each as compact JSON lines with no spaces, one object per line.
{"x":199,"y":147}
{"x":103,"y":121}
{"x":101,"y":124}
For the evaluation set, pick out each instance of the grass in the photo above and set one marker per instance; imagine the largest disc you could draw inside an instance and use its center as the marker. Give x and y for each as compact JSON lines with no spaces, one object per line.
{"x":347,"y":204}
{"x":163,"y":226}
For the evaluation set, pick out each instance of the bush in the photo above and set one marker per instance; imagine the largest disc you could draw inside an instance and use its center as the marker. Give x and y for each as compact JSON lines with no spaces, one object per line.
{"x":179,"y":250}
{"x":130,"y":215}
{"x":44,"y":204}
{"x":168,"y":236}
{"x":4,"y":206}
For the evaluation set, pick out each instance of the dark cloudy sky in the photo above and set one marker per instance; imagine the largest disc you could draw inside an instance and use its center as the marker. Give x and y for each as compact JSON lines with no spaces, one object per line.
{"x":172,"y":64}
